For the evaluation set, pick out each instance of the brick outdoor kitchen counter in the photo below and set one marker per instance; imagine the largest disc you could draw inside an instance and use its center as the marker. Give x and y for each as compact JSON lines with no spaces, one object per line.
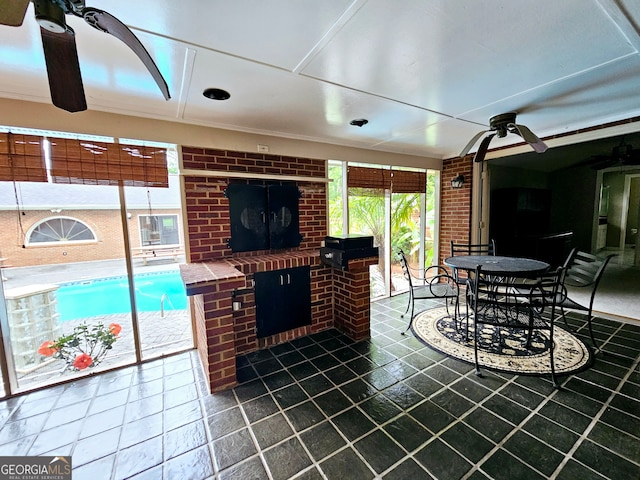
{"x":339,"y":299}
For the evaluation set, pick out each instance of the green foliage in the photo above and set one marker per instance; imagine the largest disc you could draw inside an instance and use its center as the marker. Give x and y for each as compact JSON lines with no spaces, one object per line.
{"x":367,"y":215}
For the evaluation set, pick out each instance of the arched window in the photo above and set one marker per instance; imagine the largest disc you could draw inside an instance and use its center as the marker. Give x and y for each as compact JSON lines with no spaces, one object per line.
{"x":60,"y":229}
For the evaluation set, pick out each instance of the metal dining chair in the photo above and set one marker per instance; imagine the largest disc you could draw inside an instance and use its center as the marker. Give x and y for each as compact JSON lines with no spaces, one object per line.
{"x":432,"y":283}
{"x":583,"y":273}
{"x":458,"y":248}
{"x":502,"y":303}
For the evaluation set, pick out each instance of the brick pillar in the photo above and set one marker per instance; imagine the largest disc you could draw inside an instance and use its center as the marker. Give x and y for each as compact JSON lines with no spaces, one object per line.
{"x":455,"y":210}
{"x":351,"y":299}
{"x":215,"y":333}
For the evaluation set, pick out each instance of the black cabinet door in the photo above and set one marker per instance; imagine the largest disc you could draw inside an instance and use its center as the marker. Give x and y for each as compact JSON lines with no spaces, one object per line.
{"x":284,"y":218}
{"x":283,"y":300}
{"x":248,"y":214}
{"x":262,"y":217}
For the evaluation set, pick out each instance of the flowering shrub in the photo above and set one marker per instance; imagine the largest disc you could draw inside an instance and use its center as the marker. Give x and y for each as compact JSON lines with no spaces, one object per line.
{"x":85,"y":347}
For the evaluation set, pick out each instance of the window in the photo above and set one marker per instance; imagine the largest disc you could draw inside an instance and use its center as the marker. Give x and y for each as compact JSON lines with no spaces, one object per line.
{"x":159,"y":230}
{"x":60,"y":229}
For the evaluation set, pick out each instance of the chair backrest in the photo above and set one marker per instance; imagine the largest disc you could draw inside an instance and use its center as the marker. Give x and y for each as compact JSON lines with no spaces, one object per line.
{"x":516,"y":291}
{"x":585,"y":271}
{"x":473,"y":248}
{"x":405,"y":268}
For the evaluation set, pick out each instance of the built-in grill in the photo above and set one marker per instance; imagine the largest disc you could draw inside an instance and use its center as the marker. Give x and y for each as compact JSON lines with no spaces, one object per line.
{"x":338,"y":250}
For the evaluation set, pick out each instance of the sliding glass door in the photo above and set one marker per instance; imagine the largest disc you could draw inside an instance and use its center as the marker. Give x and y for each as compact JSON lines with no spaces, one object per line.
{"x":89,"y":266}
{"x":157,"y":249}
{"x":67,"y":291}
{"x":368,"y":215}
{"x":395,"y":206}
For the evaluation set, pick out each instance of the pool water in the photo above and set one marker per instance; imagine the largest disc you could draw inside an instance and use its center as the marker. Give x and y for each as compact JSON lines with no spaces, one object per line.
{"x":111,"y":295}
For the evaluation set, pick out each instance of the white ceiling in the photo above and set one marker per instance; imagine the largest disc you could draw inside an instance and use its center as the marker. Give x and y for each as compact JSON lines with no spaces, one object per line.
{"x":427,"y":74}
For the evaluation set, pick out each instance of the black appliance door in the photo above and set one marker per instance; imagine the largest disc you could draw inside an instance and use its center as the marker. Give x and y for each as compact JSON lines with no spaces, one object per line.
{"x":248,"y":215}
{"x":284,"y":216}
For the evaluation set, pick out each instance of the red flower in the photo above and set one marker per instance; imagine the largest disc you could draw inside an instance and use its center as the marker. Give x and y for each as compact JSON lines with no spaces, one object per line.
{"x":47,"y":348}
{"x":82,"y":361}
{"x":115,"y":329}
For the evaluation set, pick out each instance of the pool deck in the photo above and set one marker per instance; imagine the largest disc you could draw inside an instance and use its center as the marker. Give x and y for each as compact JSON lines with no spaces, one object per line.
{"x":74,"y":272}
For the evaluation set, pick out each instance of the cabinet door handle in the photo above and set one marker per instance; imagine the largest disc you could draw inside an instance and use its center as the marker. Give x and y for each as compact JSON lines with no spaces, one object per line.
{"x":281,"y":279}
{"x":288,"y":279}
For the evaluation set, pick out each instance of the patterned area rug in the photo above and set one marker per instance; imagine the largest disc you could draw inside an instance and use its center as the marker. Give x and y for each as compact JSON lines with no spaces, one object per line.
{"x":502,"y":349}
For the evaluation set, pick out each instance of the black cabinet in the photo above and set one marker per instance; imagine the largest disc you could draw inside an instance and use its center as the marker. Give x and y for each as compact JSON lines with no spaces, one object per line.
{"x":263,"y":217}
{"x":517,"y":217}
{"x":283,"y":300}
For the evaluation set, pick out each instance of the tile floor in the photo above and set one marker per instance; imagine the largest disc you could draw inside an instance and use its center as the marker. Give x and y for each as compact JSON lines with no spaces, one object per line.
{"x":325,"y":407}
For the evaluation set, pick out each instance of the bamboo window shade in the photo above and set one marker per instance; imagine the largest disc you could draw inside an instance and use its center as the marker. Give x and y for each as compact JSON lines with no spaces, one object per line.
{"x":373,"y":178}
{"x":98,"y":163}
{"x":398,"y":181}
{"x":22,"y":158}
{"x":403,"y":181}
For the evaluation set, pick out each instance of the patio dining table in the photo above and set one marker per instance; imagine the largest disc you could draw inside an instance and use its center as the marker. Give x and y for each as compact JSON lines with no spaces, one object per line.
{"x":497,"y":265}
{"x":493,"y":265}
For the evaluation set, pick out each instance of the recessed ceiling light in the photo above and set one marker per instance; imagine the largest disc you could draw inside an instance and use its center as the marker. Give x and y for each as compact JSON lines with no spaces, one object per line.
{"x":359,"y":122}
{"x":216,"y":94}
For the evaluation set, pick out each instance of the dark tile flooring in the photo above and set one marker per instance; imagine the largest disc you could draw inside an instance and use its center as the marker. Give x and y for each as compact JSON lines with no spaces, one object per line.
{"x":326,"y":407}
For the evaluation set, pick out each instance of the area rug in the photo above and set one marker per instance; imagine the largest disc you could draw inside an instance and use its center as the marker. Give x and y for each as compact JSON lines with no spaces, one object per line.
{"x":503,"y":349}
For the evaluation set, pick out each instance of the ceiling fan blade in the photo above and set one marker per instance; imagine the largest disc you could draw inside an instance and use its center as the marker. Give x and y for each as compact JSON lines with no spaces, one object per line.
{"x":472,"y":142}
{"x":107,"y":23}
{"x":12,"y":12}
{"x":529,"y":137}
{"x":63,"y":70}
{"x":482,"y":149}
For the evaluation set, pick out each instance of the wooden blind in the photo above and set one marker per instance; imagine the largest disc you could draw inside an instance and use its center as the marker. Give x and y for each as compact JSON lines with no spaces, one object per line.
{"x":403,"y":181}
{"x":363,"y":177}
{"x":22,"y":158}
{"x":98,"y":163}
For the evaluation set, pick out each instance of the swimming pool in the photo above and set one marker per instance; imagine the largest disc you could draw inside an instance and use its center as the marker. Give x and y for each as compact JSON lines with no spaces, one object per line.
{"x":106,"y":296}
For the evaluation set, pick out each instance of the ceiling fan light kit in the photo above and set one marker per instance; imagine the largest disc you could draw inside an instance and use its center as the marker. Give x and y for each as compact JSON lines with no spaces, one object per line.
{"x":50,"y":16}
{"x":501,"y":125}
{"x":59,"y":45}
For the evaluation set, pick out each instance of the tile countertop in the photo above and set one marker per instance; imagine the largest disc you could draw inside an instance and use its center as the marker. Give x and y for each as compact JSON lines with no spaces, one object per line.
{"x":198,"y":277}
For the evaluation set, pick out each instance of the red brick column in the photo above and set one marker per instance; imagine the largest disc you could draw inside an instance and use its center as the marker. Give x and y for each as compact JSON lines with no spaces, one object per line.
{"x":218,"y":351}
{"x":351,"y":299}
{"x":211,"y":288}
{"x":455,"y":210}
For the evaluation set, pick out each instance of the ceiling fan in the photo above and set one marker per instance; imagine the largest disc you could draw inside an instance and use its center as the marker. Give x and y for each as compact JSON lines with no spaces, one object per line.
{"x":502,"y":125}
{"x":59,"y":45}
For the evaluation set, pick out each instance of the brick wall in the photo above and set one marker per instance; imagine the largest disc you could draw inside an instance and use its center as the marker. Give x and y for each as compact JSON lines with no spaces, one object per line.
{"x":208,"y":221}
{"x":455,"y":204}
{"x":207,"y":208}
